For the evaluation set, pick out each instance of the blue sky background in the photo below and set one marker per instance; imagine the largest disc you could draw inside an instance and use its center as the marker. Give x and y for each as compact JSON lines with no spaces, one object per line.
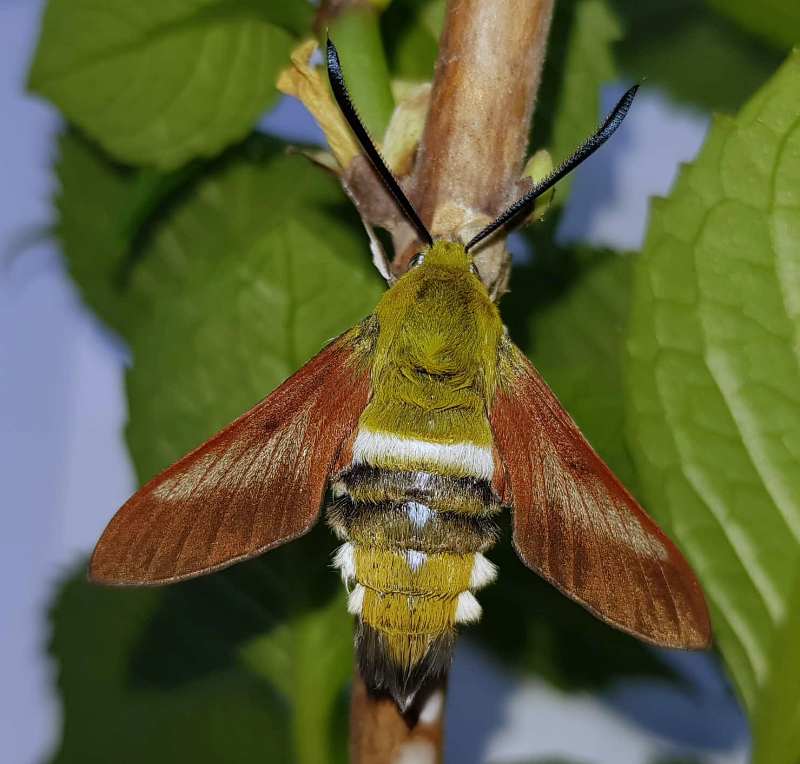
{"x":64,"y":468}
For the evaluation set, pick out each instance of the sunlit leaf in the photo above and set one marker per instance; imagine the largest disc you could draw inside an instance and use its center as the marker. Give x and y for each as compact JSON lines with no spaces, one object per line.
{"x":159,"y":83}
{"x":713,"y":380}
{"x":778,"y":734}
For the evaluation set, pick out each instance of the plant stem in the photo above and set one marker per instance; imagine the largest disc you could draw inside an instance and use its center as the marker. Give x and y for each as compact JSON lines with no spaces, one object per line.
{"x":380,"y":734}
{"x":476,"y":135}
{"x":467,"y":170}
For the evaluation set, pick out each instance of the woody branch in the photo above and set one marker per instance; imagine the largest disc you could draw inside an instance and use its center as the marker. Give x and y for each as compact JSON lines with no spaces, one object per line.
{"x":475,"y":139}
{"x":467,"y":170}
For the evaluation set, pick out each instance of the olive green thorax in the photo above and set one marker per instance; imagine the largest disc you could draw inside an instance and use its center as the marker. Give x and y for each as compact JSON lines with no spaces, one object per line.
{"x":435,"y":362}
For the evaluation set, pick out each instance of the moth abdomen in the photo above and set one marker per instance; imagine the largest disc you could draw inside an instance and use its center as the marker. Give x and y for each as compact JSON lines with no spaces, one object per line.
{"x":412,"y":560}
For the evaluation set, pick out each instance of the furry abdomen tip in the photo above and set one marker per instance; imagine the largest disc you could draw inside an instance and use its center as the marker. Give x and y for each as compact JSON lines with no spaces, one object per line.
{"x":381,"y":671}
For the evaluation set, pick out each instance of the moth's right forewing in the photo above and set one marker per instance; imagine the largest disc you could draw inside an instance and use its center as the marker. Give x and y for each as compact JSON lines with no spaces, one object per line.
{"x":255,"y":485}
{"x":577,"y":526}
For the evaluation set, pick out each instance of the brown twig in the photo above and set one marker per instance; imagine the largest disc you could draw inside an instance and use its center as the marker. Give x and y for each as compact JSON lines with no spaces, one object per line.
{"x":380,"y":734}
{"x":466,"y":171}
{"x":476,"y":135}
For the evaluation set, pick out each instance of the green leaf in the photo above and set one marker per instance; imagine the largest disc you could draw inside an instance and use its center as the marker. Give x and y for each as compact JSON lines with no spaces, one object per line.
{"x":239,"y":288}
{"x":291,"y":657}
{"x":568,"y":310}
{"x":91,"y":203}
{"x":775,"y":21}
{"x":186,"y":673}
{"x":357,"y":37}
{"x":579,"y":62}
{"x":685,"y":47}
{"x":104,"y":210}
{"x":122,"y":268}
{"x":238,"y":280}
{"x":411,"y":30}
{"x":777,"y":735}
{"x":160,"y":83}
{"x":713,"y":378}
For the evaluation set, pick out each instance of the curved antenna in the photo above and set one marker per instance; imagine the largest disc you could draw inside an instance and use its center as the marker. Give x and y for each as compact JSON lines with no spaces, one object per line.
{"x":384,"y":173}
{"x":521,"y":208}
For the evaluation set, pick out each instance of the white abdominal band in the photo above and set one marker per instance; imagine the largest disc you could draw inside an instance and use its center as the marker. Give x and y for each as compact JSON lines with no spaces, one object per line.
{"x":376,"y":448}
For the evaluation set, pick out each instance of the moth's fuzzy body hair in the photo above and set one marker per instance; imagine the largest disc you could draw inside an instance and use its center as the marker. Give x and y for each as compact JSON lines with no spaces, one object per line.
{"x":415,"y":506}
{"x":484,"y":572}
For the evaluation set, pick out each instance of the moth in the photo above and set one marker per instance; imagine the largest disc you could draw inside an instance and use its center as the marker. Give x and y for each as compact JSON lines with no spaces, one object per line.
{"x":424,"y":421}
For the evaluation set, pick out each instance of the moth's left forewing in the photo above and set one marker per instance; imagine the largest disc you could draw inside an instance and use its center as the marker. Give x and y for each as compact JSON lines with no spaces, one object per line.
{"x":256,"y":484}
{"x":577,"y":526}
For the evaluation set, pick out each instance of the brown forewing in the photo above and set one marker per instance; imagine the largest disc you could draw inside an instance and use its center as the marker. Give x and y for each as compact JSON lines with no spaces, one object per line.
{"x":578,"y":527}
{"x":253,"y":486}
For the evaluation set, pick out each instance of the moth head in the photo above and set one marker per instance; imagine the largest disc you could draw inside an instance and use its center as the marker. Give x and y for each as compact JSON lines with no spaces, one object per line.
{"x":444,"y":254}
{"x":454,"y":254}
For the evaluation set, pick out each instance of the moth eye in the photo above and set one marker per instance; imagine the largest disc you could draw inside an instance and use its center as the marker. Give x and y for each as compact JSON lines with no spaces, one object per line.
{"x":416,"y":260}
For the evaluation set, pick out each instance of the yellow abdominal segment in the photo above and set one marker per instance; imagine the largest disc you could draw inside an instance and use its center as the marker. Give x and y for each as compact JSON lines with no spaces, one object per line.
{"x":440,"y":577}
{"x":411,"y":597}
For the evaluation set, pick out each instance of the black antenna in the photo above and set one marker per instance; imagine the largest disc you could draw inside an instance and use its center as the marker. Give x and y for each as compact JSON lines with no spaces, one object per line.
{"x":384,"y":173}
{"x":521,"y":208}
